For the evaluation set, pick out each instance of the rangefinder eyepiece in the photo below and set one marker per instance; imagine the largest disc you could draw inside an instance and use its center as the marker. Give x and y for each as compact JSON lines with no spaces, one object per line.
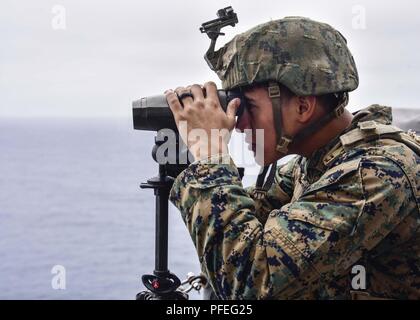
{"x":153,"y":113}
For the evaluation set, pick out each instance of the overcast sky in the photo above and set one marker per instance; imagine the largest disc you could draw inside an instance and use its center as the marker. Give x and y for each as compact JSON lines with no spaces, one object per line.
{"x":112,"y":52}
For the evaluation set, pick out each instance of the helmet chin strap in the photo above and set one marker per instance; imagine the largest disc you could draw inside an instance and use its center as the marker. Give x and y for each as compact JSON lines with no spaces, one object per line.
{"x":261,"y":188}
{"x":283,"y":141}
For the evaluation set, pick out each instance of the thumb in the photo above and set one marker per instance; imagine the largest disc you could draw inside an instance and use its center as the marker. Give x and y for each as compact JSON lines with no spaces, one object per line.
{"x":232,"y":107}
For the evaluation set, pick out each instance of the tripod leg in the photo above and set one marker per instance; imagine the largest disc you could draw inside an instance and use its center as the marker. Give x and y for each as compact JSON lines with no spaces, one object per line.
{"x":161,"y":244}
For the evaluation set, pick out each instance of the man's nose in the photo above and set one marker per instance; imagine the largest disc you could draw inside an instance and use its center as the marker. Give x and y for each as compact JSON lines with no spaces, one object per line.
{"x":243,"y":122}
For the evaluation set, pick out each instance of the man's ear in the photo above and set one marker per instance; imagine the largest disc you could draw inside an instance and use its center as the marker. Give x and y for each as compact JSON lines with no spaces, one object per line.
{"x":306,"y":108}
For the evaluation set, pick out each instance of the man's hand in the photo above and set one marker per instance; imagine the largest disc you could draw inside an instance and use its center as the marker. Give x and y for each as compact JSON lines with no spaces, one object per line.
{"x":203,"y":125}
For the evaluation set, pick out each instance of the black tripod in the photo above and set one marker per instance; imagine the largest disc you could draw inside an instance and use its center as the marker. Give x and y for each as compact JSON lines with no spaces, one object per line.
{"x":163,"y":284}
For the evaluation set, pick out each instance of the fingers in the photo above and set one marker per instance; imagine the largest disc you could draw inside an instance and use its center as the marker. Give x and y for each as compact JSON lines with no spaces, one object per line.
{"x":184,"y":96}
{"x":211,"y":91}
{"x":197,"y":92}
{"x":173,"y":102}
{"x":232,"y":108}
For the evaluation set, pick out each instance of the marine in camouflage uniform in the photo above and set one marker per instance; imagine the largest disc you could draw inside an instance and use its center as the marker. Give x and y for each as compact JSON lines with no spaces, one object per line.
{"x":354,"y":201}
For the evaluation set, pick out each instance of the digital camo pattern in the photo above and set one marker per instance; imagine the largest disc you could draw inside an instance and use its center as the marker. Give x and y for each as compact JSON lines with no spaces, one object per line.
{"x":350,"y":203}
{"x":308,"y":57}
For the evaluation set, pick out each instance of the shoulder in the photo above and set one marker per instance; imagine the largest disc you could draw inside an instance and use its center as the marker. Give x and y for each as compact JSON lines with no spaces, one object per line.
{"x":387,"y":181}
{"x":372,"y":138}
{"x":365,"y":182}
{"x":378,"y":145}
{"x":383,"y":162}
{"x":384,"y":175}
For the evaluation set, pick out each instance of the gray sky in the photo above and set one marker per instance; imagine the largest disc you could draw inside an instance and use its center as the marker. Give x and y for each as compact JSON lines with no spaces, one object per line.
{"x":113,"y":52}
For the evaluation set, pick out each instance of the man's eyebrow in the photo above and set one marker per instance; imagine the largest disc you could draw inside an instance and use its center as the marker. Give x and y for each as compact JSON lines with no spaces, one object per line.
{"x":249,"y":99}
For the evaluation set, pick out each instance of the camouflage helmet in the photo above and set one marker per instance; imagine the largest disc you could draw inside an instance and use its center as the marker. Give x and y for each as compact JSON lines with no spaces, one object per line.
{"x":306,"y":56}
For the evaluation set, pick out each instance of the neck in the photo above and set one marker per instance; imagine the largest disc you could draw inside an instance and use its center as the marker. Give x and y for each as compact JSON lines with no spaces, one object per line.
{"x":324,"y":136}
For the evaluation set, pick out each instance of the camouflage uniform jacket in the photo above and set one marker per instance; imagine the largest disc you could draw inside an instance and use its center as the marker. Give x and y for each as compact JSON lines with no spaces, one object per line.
{"x":353,"y":202}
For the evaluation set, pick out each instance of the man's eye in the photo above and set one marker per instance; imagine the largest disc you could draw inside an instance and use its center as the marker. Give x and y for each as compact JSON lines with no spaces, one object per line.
{"x":250,"y":106}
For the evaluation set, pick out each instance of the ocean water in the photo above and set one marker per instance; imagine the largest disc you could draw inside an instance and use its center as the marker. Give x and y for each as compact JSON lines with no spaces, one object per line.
{"x":69,"y":196}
